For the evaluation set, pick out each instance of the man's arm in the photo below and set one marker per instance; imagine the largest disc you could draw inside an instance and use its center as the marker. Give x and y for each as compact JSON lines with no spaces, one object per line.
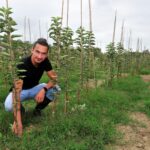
{"x":53,"y":76}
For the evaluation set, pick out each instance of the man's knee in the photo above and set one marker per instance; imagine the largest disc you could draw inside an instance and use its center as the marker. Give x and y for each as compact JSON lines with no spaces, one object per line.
{"x":8,"y":107}
{"x":50,"y":94}
{"x":8,"y":103}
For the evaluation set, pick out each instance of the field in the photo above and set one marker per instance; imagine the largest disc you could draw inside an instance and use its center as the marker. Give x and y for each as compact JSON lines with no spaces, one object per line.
{"x":88,"y":125}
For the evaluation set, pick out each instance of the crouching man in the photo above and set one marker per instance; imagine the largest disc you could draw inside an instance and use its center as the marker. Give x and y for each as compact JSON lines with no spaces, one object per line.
{"x":34,"y":67}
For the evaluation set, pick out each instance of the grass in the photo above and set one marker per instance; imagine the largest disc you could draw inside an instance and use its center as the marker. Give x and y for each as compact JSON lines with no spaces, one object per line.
{"x":87,"y":126}
{"x":145,"y":71}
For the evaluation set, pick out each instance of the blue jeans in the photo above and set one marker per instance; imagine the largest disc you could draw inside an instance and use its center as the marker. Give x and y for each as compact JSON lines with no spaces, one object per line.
{"x":28,"y":94}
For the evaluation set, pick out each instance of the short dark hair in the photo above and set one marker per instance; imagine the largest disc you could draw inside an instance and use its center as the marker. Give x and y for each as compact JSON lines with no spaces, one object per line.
{"x":41,"y":41}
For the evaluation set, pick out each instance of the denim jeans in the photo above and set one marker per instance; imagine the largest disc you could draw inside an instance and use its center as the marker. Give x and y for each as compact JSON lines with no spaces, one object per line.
{"x":29,"y":94}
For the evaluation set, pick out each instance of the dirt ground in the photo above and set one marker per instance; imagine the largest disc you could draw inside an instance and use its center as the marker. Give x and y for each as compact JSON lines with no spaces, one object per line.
{"x":146,"y":78}
{"x":137,"y":135}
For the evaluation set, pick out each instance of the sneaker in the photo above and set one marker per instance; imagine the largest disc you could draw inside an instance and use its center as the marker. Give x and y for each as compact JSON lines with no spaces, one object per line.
{"x":37,"y":112}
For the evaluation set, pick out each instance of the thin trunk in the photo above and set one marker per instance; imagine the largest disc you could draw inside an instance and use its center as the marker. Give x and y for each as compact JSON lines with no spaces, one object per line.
{"x":17,"y":84}
{"x":66,"y":91}
{"x":54,"y":105}
{"x":10,"y":44}
{"x":81,"y":61}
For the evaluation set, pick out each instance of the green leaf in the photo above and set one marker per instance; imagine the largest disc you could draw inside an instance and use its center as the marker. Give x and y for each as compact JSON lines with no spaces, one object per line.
{"x":21,"y":70}
{"x":64,"y":56}
{"x":1,"y":135}
{"x":5,"y":53}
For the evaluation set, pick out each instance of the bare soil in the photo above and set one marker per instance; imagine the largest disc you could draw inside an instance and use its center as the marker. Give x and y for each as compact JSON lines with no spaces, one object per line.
{"x":146,"y":78}
{"x":136,"y":136}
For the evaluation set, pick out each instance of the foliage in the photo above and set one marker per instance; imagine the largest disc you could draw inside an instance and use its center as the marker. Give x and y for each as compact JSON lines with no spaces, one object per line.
{"x":89,"y":39}
{"x":55,"y":32}
{"x":90,"y":128}
{"x":6,"y":29}
{"x":67,"y":39}
{"x":81,"y":40}
{"x":119,"y":59}
{"x":6,"y":22}
{"x":111,"y":55}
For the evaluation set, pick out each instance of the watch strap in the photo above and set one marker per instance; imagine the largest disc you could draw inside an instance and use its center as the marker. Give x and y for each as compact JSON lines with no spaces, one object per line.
{"x":45,"y":89}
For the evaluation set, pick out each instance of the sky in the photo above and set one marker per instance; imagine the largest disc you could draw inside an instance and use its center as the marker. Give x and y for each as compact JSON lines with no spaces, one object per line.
{"x":134,"y":13}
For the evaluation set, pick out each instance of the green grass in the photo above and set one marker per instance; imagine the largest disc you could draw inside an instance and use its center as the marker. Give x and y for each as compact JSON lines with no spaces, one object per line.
{"x":144,"y":71}
{"x":88,"y":126}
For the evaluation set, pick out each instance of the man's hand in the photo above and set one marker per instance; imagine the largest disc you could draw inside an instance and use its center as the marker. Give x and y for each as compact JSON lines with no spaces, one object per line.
{"x":52,"y":75}
{"x":40,"y":96}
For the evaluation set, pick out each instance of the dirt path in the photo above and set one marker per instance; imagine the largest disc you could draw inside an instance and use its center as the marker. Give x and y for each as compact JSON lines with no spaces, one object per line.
{"x":146,"y":78}
{"x":135,"y":136}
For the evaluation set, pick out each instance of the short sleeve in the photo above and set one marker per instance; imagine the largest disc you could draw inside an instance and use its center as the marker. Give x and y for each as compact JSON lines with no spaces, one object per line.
{"x":47,"y":65}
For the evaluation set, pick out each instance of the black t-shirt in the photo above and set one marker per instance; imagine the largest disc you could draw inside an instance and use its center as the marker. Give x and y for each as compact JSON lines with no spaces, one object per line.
{"x":32,"y":74}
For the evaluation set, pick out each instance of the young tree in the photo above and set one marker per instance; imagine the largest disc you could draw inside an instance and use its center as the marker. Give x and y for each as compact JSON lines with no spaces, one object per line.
{"x":55,"y":32}
{"x":6,"y":31}
{"x":119,"y":59}
{"x":111,"y":55}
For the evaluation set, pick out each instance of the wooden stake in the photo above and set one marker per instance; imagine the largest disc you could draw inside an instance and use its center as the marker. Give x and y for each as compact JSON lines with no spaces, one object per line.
{"x":113,"y":39}
{"x":67,"y":13}
{"x":39,"y":28}
{"x":29,"y":29}
{"x":24,"y":28}
{"x":138,"y":45}
{"x":81,"y":13}
{"x":90,"y":16}
{"x":122,"y":34}
{"x":6,"y":3}
{"x":62,"y":12}
{"x":130,"y":40}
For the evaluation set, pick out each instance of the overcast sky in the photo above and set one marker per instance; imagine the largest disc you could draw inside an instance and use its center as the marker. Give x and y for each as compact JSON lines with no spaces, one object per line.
{"x":135,"y":13}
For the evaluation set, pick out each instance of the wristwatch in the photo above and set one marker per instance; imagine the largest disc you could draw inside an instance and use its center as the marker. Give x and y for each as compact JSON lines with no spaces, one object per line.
{"x":45,"y":89}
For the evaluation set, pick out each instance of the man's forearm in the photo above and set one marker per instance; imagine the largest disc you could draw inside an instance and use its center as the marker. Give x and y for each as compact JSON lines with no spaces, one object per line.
{"x":50,"y":84}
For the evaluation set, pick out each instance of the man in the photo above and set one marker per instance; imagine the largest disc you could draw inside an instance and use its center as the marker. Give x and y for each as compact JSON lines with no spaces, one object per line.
{"x":34,"y":66}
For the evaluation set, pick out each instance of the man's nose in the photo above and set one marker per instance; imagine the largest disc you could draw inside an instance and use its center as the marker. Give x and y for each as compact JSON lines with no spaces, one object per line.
{"x":40,"y":55}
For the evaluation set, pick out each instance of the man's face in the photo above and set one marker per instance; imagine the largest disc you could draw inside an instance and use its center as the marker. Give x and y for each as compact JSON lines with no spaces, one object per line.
{"x":39,"y":53}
